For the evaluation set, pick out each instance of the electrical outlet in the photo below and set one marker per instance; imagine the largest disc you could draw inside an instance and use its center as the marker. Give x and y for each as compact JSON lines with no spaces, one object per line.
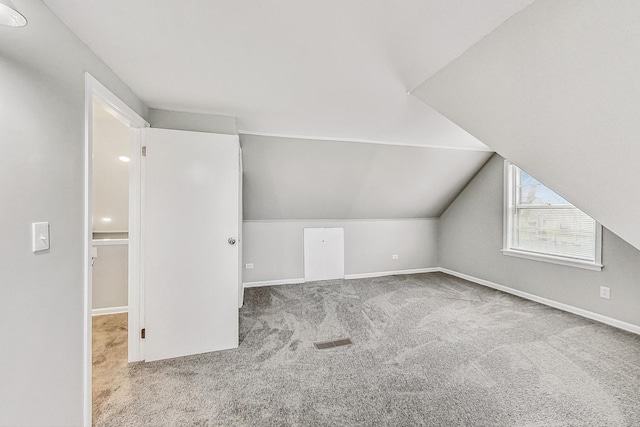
{"x":248,"y":266}
{"x":394,"y":256}
{"x":605,"y":292}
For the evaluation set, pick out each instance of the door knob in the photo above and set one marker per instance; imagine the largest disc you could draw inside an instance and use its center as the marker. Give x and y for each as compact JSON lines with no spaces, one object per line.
{"x":232,"y":241}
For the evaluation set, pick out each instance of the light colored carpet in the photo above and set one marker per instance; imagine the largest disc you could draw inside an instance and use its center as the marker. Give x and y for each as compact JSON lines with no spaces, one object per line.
{"x":109,"y":350}
{"x":429,"y":349}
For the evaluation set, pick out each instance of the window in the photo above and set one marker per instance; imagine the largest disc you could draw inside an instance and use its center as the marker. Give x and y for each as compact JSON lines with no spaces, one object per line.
{"x":541,"y":225}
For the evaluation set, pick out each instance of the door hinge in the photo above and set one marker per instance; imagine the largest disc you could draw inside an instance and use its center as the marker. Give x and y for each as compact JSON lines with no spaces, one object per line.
{"x":143,"y":333}
{"x":144,"y":151}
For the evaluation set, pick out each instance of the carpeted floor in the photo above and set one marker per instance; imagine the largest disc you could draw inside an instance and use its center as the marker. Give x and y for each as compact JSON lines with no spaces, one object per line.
{"x":109,"y":340}
{"x":429,"y":349}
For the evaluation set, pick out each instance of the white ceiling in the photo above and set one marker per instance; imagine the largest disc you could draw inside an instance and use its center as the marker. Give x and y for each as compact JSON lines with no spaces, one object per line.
{"x":328,"y":69}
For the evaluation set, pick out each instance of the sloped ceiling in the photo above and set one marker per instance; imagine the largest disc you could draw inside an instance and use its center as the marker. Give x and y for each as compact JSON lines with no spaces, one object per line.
{"x":308,"y":82}
{"x":556,"y":90}
{"x":288,"y":178}
{"x":330,"y":68}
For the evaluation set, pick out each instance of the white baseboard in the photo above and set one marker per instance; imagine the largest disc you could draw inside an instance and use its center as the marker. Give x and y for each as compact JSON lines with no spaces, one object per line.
{"x":347,"y":276}
{"x":391,"y":273}
{"x":109,"y":310}
{"x":273,"y":283}
{"x":560,"y":306}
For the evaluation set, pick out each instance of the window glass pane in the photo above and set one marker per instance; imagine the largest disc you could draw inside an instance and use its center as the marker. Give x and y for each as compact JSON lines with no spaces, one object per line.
{"x":533,"y":192}
{"x":544,"y":222}
{"x":567,"y":232}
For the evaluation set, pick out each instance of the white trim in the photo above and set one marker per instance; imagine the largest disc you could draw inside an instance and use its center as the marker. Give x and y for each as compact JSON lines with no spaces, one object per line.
{"x":560,"y":306}
{"x":364,"y":141}
{"x":273,"y":283}
{"x":96,"y":92}
{"x":109,"y":310}
{"x":137,"y":272}
{"x":339,"y":220}
{"x":347,"y":277}
{"x":112,"y":104}
{"x":240,"y":234}
{"x":391,"y":273}
{"x":587,"y":265}
{"x":598,"y":260}
{"x":507,"y":204}
{"x":109,"y":242}
{"x":87,"y":258}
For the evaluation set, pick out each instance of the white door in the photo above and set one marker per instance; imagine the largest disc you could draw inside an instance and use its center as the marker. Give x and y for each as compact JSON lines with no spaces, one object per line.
{"x":323,"y":254}
{"x":191,"y":212}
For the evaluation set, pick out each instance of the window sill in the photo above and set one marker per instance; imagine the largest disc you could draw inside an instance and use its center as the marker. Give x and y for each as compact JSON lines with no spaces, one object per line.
{"x":553,"y":259}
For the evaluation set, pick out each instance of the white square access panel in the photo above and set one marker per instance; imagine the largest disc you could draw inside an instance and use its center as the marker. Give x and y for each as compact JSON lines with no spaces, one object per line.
{"x":323,"y":254}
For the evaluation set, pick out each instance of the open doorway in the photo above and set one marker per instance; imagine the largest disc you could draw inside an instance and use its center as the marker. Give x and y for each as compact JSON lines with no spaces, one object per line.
{"x":111,"y":157}
{"x":182,"y":172}
{"x":112,"y":240}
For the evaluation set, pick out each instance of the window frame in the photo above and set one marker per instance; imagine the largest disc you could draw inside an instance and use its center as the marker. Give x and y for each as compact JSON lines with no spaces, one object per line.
{"x":509,"y":217}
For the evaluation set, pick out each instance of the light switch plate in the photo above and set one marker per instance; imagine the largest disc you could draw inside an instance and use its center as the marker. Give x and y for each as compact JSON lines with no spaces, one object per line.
{"x":40,"y":236}
{"x":394,"y":256}
{"x":248,"y":266}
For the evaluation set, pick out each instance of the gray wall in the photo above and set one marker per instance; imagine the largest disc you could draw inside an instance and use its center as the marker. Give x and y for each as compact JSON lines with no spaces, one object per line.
{"x":290,"y":178}
{"x":195,"y":122}
{"x":555,"y":89}
{"x":276,"y":247}
{"x":41,"y":179}
{"x":110,"y":276}
{"x":471,"y":239}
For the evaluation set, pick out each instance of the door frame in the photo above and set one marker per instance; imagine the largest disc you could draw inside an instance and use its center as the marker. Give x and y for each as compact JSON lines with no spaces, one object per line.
{"x":97,"y":92}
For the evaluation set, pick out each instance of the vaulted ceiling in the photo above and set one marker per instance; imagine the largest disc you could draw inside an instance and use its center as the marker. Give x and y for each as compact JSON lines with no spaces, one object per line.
{"x":556,"y":90}
{"x":338,"y":69}
{"x":308,"y":83}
